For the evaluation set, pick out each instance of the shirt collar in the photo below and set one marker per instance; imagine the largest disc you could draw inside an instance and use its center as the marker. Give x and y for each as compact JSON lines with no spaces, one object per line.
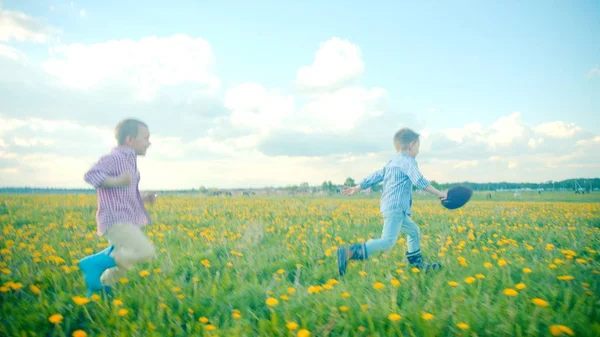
{"x":125,"y":150}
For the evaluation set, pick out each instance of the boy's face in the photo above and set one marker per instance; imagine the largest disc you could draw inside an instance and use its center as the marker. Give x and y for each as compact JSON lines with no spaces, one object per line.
{"x":413,"y":148}
{"x":141,"y":142}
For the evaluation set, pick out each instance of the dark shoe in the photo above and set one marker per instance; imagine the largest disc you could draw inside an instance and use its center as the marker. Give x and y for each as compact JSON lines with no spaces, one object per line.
{"x":416,"y":260}
{"x":347,"y":253}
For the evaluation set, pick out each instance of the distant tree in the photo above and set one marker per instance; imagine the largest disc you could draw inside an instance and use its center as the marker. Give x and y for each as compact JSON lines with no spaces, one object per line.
{"x":349,"y":182}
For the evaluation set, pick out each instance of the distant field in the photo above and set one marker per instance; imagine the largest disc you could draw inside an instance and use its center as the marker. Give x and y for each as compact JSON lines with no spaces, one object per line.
{"x":265,"y":266}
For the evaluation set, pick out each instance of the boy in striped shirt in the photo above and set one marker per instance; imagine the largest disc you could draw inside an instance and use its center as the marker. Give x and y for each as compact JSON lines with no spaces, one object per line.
{"x":121,"y":211}
{"x":398,"y":176}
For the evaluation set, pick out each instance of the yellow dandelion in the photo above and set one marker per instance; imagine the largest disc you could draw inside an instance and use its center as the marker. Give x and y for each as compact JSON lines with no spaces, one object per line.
{"x":157,"y":271}
{"x":521,"y":286}
{"x":117,"y":302}
{"x":123,"y":280}
{"x":203,"y":320}
{"x":415,"y":270}
{"x":565,"y":277}
{"x":557,"y":330}
{"x":502,"y":262}
{"x":303,"y":333}
{"x":470,"y":280}
{"x":539,"y":302}
{"x":362,"y":273}
{"x":80,"y":300}
{"x":378,"y":285}
{"x":487,"y":265}
{"x":284,"y":298}
{"x":510,"y":292}
{"x":280,"y":271}
{"x":56,"y":319}
{"x":346,"y":295}
{"x":271,"y":301}
{"x":395,"y":283}
{"x":291,"y":325}
{"x":79,"y":333}
{"x":394,"y":317}
{"x":123,"y":312}
{"x":291,"y":290}
{"x":480,"y":276}
{"x":526,"y":270}
{"x":344,"y":308}
{"x":427,"y":316}
{"x":463,"y":326}
{"x":210,"y":327}
{"x":95,"y":297}
{"x":452,"y":283}
{"x":144,"y":273}
{"x":236,"y":315}
{"x":34,"y":289}
{"x":365,"y":307}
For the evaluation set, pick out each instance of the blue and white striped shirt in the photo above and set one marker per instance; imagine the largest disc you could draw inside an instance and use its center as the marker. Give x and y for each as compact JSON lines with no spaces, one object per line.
{"x":398,"y":177}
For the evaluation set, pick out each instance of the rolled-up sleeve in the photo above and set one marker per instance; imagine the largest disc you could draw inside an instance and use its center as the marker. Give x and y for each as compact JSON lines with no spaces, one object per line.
{"x":100,"y":171}
{"x":412,"y":171}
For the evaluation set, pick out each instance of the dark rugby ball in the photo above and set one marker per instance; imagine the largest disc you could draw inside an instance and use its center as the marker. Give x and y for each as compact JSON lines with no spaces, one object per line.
{"x":458,"y":196}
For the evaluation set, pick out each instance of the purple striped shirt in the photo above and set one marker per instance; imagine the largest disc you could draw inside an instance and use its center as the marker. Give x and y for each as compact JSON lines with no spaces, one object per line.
{"x":118,"y":204}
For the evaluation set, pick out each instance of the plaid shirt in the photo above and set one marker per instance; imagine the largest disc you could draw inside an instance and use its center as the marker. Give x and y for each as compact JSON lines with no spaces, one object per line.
{"x":398,"y":177}
{"x":118,"y":204}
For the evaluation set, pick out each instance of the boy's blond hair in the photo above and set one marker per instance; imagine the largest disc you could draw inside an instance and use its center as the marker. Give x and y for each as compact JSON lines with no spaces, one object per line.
{"x":127,"y":127}
{"x":405,"y":136}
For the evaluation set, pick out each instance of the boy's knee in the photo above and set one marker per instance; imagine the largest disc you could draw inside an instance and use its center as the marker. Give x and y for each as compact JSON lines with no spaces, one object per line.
{"x":389,"y":242}
{"x":147,"y":252}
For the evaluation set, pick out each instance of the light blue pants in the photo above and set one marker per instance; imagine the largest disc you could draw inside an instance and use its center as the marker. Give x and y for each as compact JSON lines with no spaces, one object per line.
{"x":394,"y":222}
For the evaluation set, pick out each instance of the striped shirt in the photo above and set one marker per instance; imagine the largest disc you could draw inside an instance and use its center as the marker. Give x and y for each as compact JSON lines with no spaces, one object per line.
{"x":398,"y":176}
{"x":118,"y":204}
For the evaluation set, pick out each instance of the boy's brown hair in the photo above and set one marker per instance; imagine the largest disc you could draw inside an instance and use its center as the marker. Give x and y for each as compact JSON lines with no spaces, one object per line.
{"x":127,"y":127}
{"x":405,"y":136}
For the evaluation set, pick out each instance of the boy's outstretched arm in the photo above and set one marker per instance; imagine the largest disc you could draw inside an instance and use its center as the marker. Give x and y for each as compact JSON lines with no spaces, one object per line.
{"x":417,"y":178}
{"x":369,"y":181}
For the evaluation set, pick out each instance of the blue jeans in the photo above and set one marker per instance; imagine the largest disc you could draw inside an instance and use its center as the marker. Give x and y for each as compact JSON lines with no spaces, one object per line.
{"x":394,"y":222}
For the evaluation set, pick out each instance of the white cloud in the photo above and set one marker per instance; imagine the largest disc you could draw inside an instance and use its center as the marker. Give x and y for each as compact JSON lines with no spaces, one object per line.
{"x":341,"y":110}
{"x":558,"y":129}
{"x":474,"y":130}
{"x":19,"y":27}
{"x":12,"y":53}
{"x":534,"y":142}
{"x":466,"y":164}
{"x":82,"y":13}
{"x":30,"y":142}
{"x":505,"y":130}
{"x":336,"y":63}
{"x":146,"y":65}
{"x":255,"y":107}
{"x":595,"y":71}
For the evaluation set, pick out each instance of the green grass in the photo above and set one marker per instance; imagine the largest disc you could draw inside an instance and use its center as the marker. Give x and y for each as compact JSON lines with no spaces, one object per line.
{"x":299,"y":236}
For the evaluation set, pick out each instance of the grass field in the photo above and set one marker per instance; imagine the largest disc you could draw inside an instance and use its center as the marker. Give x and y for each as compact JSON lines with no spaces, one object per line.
{"x":265,"y":266}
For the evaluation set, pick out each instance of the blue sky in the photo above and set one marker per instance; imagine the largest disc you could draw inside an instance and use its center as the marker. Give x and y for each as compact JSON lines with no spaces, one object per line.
{"x":530,"y":66}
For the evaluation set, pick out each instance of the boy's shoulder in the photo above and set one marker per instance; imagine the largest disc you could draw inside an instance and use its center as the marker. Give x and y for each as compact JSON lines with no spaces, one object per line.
{"x":401,"y":160}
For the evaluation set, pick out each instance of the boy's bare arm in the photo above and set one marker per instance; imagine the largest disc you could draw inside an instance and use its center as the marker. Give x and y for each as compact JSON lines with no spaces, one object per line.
{"x":436,"y":192}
